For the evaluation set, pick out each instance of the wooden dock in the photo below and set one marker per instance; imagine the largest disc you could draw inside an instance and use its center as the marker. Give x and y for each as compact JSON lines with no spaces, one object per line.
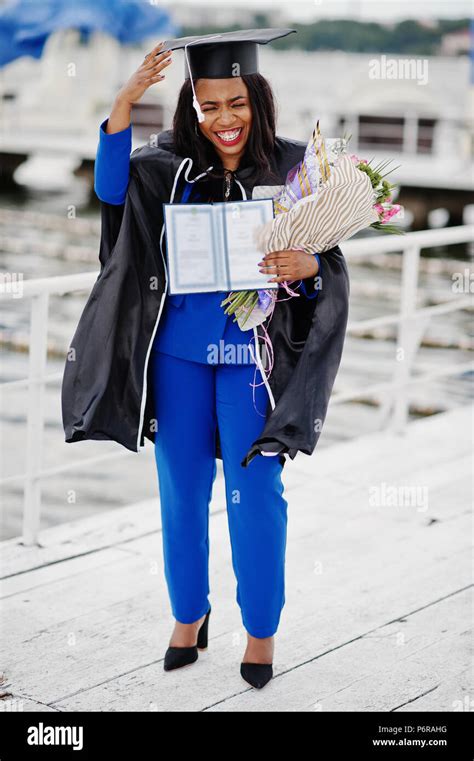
{"x":378,"y":587}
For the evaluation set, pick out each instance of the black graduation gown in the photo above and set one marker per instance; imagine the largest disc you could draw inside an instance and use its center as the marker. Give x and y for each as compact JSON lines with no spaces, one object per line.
{"x":107,"y":391}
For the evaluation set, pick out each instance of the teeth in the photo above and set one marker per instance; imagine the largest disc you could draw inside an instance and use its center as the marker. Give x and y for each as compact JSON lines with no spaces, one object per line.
{"x":228,"y":136}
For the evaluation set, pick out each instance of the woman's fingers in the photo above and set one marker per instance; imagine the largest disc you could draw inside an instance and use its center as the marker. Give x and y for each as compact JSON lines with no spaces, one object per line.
{"x":155,"y":59}
{"x":286,"y":265}
{"x":159,"y":66}
{"x":276,"y":262}
{"x":283,"y":279}
{"x":153,"y":73}
{"x":153,"y":52}
{"x":276,"y":256}
{"x":280,"y":264}
{"x":156,"y":78}
{"x":147,"y":74}
{"x":275,"y":265}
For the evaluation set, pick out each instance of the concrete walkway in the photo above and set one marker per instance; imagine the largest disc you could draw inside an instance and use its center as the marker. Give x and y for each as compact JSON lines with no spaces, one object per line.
{"x":378,"y":610}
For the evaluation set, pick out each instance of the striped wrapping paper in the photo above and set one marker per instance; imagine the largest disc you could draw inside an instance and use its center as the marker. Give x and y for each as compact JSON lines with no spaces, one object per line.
{"x":342,"y":206}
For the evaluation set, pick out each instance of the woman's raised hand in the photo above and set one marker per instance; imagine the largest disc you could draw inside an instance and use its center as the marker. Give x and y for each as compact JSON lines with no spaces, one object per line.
{"x":148,"y":73}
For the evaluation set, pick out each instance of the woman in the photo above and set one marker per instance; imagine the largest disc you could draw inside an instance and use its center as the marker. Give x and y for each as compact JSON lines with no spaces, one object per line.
{"x":231,"y":150}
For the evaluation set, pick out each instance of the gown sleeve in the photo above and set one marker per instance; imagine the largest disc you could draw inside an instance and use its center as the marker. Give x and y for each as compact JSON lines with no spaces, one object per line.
{"x":112,"y":165}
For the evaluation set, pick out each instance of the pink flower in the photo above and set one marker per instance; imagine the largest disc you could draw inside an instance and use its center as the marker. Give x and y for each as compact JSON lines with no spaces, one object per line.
{"x":356,"y":160}
{"x":389,"y":213}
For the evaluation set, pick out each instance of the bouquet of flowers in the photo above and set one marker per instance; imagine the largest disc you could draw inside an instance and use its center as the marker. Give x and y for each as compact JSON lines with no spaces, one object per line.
{"x":327,"y":198}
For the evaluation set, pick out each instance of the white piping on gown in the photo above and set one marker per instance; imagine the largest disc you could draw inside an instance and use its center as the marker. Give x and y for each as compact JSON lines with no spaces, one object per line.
{"x":144,"y":392}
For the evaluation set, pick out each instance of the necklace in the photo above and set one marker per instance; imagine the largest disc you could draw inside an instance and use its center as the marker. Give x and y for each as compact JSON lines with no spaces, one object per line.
{"x":227,"y":183}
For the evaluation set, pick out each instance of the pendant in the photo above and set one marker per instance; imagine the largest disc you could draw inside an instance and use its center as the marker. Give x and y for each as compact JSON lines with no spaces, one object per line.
{"x":227,"y":184}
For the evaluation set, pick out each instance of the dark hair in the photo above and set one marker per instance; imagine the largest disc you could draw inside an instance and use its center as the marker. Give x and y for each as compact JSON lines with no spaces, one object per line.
{"x":261,"y":141}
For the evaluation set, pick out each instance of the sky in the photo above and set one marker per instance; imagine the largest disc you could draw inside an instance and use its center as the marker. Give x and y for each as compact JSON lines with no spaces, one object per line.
{"x":367,"y":10}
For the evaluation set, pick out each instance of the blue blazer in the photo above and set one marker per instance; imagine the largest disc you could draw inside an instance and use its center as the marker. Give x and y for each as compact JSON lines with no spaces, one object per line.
{"x":192,"y":326}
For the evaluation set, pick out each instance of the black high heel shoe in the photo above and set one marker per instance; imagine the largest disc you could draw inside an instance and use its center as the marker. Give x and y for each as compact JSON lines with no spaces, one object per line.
{"x":256,"y":674}
{"x":175,"y":657}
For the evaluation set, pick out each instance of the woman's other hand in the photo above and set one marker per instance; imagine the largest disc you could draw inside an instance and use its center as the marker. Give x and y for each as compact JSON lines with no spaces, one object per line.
{"x":289,"y":265}
{"x":147,"y":74}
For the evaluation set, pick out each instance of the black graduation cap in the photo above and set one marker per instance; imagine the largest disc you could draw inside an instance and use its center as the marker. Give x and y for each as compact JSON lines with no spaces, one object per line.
{"x":222,"y":55}
{"x":226,"y":54}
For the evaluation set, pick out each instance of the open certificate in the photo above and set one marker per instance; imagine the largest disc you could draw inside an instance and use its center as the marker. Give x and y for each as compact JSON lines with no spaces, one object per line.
{"x":211,"y":246}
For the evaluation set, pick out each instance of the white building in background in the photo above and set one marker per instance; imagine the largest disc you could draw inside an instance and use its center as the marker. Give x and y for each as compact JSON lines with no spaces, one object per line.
{"x":423,"y":122}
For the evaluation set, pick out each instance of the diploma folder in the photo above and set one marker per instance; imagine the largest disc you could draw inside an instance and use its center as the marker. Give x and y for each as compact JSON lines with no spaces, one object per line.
{"x":211,"y":246}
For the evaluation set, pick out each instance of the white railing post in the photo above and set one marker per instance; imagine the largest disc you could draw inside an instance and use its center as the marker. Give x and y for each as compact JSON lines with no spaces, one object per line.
{"x":407,"y":337}
{"x":35,"y":420}
{"x":410,"y":133}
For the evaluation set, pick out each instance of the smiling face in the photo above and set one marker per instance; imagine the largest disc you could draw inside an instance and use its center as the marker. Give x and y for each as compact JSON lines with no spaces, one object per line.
{"x":226,"y":107}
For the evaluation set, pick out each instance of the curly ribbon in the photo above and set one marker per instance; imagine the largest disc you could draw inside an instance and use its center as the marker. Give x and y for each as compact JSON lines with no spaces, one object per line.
{"x":267,"y":342}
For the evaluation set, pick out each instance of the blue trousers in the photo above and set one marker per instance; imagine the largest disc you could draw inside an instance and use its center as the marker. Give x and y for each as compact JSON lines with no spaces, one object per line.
{"x":192,"y":398}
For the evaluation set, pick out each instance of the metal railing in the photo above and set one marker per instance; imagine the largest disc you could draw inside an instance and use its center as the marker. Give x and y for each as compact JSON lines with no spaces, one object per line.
{"x":411,"y":322}
{"x":395,"y":394}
